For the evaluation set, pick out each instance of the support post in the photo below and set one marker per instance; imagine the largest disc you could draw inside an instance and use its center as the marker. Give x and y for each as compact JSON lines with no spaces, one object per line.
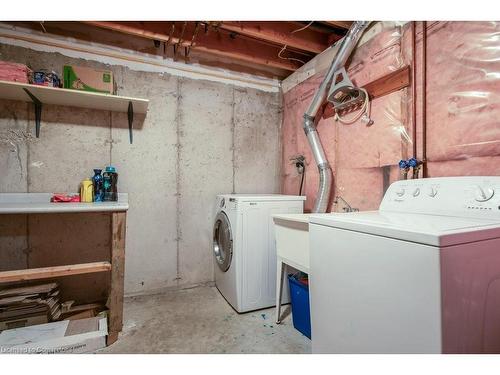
{"x":280,"y":273}
{"x":115,"y":300}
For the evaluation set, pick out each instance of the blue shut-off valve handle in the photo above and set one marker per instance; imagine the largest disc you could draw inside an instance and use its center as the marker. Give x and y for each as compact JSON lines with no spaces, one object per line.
{"x":405,"y":166}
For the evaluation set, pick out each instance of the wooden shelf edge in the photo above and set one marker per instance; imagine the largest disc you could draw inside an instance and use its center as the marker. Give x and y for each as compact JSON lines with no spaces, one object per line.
{"x":67,"y":97}
{"x":50,"y":272}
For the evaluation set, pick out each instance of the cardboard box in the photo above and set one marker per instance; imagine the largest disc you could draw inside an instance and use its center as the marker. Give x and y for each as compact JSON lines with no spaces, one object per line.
{"x":23,"y":321}
{"x":29,"y":305}
{"x":88,"y":79}
{"x":67,"y":336}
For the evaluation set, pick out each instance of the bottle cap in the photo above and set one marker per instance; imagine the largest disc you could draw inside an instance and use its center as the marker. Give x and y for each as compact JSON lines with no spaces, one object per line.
{"x":110,"y":168}
{"x":97,"y":170}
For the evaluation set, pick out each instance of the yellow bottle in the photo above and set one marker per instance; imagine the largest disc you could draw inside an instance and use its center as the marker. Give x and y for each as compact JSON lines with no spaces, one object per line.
{"x":86,"y":191}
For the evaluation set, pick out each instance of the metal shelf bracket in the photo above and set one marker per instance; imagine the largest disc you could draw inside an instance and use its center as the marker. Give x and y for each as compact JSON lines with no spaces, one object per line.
{"x":38,"y":111}
{"x":130,"y":114}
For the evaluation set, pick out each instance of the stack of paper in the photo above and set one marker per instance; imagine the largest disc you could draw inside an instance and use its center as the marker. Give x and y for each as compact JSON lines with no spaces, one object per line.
{"x":29,"y":305}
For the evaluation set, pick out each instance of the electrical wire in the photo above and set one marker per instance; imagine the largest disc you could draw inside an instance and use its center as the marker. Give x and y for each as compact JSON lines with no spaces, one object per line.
{"x":283,"y":49}
{"x":288,"y":58}
{"x":172,"y":29}
{"x":302,"y":28}
{"x":195,"y":33}
{"x":181,"y":40}
{"x":366,"y":108}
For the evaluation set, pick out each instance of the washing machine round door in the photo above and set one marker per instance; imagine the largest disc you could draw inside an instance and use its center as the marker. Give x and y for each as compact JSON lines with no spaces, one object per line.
{"x":223,"y":242}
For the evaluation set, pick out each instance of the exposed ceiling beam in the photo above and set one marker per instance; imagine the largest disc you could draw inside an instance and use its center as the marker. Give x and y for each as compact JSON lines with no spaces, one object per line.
{"x":280,"y":33}
{"x":339,"y":24}
{"x":215,"y":42}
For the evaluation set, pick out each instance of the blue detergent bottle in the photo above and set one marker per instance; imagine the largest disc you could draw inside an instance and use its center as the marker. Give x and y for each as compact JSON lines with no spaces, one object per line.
{"x":110,"y":184}
{"x":97,"y":181}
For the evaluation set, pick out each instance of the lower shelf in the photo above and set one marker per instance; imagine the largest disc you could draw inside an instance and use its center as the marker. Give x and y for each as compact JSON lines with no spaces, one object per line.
{"x":50,"y":272}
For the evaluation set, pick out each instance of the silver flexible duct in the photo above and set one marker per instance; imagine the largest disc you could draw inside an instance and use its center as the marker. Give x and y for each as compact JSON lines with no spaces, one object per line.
{"x":325,"y":172}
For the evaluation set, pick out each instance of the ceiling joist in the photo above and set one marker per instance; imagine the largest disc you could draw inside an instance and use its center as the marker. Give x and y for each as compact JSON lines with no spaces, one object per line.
{"x":217,"y":41}
{"x":281,"y":33}
{"x":339,"y":24}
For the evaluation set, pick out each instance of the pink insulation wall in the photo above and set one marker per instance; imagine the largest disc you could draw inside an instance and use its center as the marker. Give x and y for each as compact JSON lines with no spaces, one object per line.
{"x":463,"y":114}
{"x":463,"y":106}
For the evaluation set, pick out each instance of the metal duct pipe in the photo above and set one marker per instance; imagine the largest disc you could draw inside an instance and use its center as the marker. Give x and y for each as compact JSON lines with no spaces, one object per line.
{"x":325,"y":172}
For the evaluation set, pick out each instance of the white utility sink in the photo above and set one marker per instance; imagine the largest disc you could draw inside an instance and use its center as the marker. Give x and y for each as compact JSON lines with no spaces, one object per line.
{"x":292,"y":249}
{"x":292,"y":239}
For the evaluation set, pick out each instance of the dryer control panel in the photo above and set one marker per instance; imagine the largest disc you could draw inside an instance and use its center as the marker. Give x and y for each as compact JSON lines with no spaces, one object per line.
{"x":467,"y":196}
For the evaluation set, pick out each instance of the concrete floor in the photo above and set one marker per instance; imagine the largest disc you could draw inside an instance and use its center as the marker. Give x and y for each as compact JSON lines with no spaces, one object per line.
{"x":199,"y":320}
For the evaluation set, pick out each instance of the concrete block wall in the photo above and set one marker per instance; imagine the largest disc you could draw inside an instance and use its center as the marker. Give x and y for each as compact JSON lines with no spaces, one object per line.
{"x":198,"y":139}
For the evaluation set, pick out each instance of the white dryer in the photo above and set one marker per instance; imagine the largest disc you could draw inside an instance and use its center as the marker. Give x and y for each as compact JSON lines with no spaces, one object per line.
{"x":244,"y":247}
{"x":421,"y":275}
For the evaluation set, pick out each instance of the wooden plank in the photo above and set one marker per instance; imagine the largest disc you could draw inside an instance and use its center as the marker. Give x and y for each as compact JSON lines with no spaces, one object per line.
{"x":281,"y":33}
{"x":73,"y":98}
{"x":151,"y":30}
{"x":87,"y":306}
{"x":115,"y":300}
{"x":50,"y":272}
{"x":219,"y":43}
{"x":338,"y":24}
{"x":28,"y":290}
{"x":382,"y":86}
{"x":391,"y":82}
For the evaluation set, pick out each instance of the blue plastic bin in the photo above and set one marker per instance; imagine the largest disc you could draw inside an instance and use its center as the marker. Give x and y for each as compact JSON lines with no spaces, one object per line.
{"x":301,"y":315}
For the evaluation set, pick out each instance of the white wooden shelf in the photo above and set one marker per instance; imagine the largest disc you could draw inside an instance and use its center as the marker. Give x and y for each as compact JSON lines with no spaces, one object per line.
{"x":73,"y":98}
{"x":40,"y":95}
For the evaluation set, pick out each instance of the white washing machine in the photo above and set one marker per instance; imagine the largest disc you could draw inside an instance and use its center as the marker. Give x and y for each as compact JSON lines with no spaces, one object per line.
{"x":421,"y":275}
{"x":244,"y":247}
